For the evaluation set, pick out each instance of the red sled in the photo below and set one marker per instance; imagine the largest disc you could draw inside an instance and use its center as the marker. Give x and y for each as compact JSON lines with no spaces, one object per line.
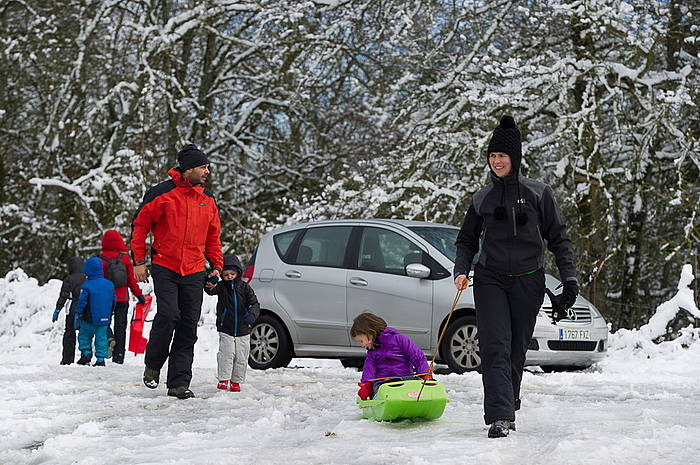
{"x":137,"y":343}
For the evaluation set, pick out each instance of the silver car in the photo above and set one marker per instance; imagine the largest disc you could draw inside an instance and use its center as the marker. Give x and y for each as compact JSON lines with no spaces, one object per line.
{"x":312,"y":279}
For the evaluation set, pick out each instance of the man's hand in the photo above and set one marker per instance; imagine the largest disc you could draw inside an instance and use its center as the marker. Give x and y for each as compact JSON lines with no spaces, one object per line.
{"x":461,"y":282}
{"x":141,"y":273}
{"x":209,"y":285}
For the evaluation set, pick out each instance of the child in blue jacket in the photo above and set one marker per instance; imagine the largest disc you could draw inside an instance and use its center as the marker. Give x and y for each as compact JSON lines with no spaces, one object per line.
{"x":93,"y":313}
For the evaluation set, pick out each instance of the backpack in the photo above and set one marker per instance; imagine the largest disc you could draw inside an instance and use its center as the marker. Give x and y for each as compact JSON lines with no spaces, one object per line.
{"x":115,"y":270}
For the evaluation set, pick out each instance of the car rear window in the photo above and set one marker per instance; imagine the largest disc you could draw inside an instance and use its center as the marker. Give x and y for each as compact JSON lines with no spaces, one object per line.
{"x":324,"y":246}
{"x":283,"y":241}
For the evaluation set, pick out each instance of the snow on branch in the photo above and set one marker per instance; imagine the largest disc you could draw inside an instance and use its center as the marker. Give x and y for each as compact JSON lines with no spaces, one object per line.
{"x":643,"y":337}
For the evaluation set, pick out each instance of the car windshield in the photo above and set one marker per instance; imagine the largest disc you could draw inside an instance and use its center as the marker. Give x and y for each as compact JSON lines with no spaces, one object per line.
{"x":441,"y":238}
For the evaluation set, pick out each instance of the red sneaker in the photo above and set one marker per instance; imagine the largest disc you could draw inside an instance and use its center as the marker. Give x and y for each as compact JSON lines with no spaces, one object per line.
{"x":223,"y":385}
{"x":235,"y":387}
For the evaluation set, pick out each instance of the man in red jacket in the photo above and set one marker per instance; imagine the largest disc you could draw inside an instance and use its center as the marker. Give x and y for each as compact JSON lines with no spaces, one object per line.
{"x":184,"y":220}
{"x":113,"y":247}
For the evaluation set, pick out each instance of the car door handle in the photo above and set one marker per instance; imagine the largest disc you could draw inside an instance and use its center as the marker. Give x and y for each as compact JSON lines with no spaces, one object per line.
{"x":358,"y":281}
{"x":293,"y":274}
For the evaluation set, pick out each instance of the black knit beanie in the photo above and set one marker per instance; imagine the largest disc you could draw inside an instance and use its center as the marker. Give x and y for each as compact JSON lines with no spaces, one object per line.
{"x":190,"y":157}
{"x":506,"y":138}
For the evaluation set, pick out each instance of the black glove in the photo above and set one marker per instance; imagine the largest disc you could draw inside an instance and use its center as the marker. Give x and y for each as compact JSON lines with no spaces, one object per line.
{"x":213,"y":279}
{"x":564,"y":301}
{"x":141,"y":299}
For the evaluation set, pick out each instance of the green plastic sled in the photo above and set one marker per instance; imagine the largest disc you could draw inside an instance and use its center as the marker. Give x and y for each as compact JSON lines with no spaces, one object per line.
{"x":399,"y":400}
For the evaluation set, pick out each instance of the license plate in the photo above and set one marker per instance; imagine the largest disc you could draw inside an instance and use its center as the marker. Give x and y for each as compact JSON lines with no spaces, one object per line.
{"x":574,"y":334}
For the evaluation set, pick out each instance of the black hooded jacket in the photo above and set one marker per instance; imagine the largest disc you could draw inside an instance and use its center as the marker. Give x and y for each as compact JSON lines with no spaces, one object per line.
{"x":237,"y":307}
{"x":71,"y":284}
{"x":505,"y":246}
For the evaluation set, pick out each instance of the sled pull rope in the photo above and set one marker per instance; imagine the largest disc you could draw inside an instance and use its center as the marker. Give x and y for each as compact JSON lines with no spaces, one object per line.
{"x":442,"y":334}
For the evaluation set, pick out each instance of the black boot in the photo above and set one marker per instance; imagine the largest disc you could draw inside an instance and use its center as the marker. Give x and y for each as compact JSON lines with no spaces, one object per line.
{"x":99,"y":363}
{"x":182,"y":392}
{"x":85,"y":359}
{"x":500,"y":429}
{"x":151,"y":378}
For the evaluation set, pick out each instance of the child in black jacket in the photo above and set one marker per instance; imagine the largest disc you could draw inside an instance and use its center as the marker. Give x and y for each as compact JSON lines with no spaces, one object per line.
{"x":70,"y":290}
{"x":236,"y":311}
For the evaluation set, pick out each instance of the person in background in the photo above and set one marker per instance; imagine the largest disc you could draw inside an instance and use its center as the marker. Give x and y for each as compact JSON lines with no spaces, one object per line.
{"x":390,"y":354}
{"x":93,"y":313}
{"x":236,"y":311}
{"x":70,"y":290}
{"x":118,"y":268}
{"x":507,"y":224}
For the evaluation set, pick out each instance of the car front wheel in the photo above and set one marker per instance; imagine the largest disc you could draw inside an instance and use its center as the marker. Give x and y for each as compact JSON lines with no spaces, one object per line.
{"x":460,"y":346}
{"x":270,"y":346}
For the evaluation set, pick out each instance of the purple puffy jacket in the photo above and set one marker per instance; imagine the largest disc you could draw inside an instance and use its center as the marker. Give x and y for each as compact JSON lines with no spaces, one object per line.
{"x":394,"y":355}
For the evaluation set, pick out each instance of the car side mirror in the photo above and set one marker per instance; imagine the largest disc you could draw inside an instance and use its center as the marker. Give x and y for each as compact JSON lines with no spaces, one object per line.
{"x":417,"y":270}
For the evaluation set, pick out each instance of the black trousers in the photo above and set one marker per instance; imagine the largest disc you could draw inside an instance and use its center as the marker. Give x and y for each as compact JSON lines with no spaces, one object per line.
{"x":121,"y":311}
{"x":68,"y":356}
{"x":506,"y":311}
{"x":174,"y":330}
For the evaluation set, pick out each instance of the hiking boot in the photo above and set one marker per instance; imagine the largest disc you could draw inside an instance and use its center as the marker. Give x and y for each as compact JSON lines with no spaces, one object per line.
{"x":500,"y":429}
{"x":65,"y":362}
{"x":223,"y":385}
{"x":85,"y":359}
{"x":118,"y":359}
{"x":151,"y":377}
{"x":235,"y":387}
{"x":182,"y":392}
{"x":99,"y":363}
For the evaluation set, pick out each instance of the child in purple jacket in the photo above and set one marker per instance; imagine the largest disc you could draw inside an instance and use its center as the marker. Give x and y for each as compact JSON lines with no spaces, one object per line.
{"x":389,"y":353}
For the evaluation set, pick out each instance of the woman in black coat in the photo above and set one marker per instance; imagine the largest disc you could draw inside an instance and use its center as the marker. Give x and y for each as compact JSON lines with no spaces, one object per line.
{"x":506,"y":227}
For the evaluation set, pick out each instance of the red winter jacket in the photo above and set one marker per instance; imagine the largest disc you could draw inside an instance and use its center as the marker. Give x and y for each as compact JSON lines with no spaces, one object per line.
{"x":184,"y":220}
{"x":112,"y":246}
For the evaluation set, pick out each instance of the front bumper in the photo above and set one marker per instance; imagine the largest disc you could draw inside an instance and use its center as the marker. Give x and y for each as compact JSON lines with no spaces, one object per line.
{"x":546,"y":348}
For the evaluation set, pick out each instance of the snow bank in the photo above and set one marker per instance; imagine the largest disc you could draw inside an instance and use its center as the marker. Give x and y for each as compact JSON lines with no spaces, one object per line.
{"x":642,"y":339}
{"x":27,"y":334}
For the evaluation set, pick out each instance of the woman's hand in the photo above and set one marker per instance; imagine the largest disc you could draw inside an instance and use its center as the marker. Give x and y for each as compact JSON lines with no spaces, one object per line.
{"x":461,"y":282}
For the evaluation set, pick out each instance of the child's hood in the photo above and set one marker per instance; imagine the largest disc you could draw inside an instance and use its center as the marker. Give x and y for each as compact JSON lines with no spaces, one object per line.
{"x":387,"y":334}
{"x":233,"y":262}
{"x":75,"y":265}
{"x":93,"y":268}
{"x":112,"y":240}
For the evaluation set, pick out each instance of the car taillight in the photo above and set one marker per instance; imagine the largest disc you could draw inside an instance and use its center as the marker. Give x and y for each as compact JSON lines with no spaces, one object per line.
{"x":248,"y":273}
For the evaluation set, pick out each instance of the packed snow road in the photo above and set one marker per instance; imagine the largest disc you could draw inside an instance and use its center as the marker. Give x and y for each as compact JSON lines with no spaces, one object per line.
{"x":628,"y":410}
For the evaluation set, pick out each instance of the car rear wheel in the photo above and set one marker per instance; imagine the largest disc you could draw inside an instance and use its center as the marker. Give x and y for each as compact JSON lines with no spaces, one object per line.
{"x":270,"y":346}
{"x":460,"y":347}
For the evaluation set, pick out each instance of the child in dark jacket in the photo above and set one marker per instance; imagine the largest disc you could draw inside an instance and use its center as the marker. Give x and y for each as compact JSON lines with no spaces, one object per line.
{"x":236,"y":311}
{"x":389,"y":354}
{"x":70,"y":290}
{"x":94,"y":312}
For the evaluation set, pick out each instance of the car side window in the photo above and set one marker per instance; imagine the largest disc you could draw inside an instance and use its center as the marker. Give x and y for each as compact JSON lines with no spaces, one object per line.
{"x":283,"y":241}
{"x":324,"y":246}
{"x":385,"y":251}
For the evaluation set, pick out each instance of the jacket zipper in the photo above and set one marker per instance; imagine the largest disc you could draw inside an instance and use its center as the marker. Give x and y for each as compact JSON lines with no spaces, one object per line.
{"x":235,"y":309}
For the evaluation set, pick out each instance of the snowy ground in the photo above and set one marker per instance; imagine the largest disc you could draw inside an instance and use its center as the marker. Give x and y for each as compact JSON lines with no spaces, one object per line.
{"x":638,"y":406}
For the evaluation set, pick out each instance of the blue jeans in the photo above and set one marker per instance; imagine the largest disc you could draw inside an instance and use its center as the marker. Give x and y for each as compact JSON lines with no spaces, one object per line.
{"x":87,"y":331}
